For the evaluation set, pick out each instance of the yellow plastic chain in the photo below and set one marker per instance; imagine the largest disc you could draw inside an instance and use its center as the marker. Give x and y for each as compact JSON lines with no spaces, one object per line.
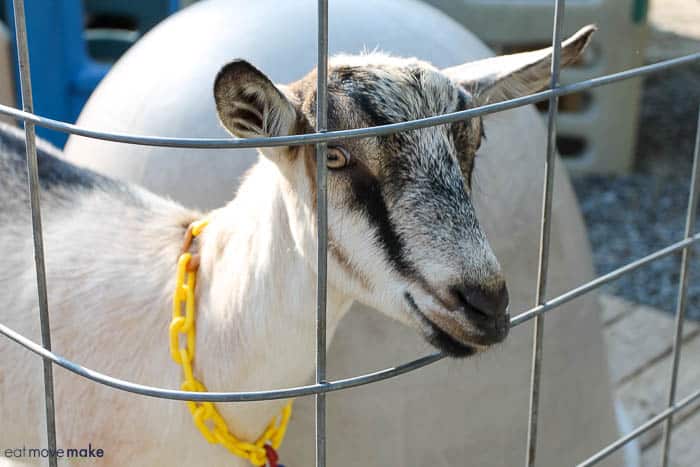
{"x":204,"y":414}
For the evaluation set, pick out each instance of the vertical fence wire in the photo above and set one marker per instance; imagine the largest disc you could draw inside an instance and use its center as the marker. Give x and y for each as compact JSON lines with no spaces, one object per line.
{"x":545,"y":230}
{"x":322,"y":228}
{"x":640,"y":430}
{"x":682,"y":301}
{"x":33,"y":181}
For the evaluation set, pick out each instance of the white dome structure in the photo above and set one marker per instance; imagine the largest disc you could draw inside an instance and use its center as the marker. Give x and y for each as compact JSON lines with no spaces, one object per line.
{"x":454,"y":413}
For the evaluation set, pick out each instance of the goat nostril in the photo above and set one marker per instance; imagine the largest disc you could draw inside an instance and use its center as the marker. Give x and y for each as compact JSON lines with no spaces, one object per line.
{"x":489,"y":303}
{"x":460,"y":293}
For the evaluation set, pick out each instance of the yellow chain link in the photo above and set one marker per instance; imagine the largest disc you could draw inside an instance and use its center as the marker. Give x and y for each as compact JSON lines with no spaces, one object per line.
{"x":204,"y":414}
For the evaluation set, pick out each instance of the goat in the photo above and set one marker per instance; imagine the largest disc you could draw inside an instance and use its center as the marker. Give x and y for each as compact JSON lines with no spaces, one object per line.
{"x":403,"y":238}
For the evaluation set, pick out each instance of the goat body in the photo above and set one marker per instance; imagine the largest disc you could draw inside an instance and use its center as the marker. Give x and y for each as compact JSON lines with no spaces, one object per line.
{"x":111,"y":250}
{"x":403,"y":238}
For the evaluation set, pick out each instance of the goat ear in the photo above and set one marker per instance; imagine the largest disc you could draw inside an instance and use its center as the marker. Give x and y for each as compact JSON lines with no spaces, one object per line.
{"x":249,"y":105}
{"x":510,"y":76}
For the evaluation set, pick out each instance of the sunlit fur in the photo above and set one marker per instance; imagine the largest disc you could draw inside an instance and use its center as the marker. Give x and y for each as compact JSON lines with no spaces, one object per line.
{"x":401,"y":226}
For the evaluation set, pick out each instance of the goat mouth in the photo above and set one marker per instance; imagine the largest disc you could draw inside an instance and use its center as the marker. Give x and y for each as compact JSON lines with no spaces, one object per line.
{"x":437,"y":337}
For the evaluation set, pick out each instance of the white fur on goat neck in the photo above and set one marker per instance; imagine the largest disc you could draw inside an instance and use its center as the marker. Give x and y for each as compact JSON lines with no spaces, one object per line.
{"x":239,"y":347}
{"x":265,"y":349}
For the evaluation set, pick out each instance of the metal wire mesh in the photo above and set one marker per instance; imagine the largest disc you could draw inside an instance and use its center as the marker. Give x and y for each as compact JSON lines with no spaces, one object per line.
{"x":321,"y":138}
{"x":545,"y":234}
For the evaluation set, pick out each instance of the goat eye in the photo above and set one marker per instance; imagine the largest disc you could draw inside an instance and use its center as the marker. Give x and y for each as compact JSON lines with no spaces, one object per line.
{"x":337,"y":157}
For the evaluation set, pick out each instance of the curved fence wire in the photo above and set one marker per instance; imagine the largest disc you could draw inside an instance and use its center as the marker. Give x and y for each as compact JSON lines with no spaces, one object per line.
{"x":320,"y":139}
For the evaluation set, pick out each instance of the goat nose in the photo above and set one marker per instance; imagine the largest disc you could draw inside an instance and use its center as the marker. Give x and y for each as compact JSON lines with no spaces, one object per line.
{"x":490,"y":301}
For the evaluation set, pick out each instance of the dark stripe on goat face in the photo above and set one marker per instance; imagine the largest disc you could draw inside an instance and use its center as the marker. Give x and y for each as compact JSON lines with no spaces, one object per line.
{"x":367,"y":197}
{"x":366,"y":101}
{"x":335,"y":249}
{"x":466,"y":135}
{"x":367,"y":91}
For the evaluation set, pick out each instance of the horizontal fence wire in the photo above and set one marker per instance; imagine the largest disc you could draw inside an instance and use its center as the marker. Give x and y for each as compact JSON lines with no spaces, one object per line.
{"x":321,"y":138}
{"x":640,"y":430}
{"x":337,"y":135}
{"x":604,"y":279}
{"x":341,"y":383}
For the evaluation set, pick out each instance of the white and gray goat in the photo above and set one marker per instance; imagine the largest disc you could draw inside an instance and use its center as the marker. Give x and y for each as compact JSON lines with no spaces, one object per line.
{"x":403,"y":238}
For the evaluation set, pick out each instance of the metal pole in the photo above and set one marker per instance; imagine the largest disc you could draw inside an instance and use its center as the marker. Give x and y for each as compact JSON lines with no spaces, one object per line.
{"x":545,"y":230}
{"x":33,"y":180}
{"x":682,"y":301}
{"x":322,"y":228}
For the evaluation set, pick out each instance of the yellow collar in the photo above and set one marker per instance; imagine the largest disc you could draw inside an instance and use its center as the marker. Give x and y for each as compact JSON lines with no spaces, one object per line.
{"x":204,"y":414}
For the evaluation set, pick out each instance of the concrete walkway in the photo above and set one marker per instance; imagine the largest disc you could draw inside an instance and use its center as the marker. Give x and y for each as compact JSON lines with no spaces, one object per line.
{"x":639,"y":342}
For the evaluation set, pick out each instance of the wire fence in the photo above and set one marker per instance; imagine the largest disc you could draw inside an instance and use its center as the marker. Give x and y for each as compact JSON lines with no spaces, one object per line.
{"x":320,"y":139}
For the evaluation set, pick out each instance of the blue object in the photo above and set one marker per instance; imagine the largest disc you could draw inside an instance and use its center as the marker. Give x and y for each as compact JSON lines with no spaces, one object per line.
{"x":63,"y":73}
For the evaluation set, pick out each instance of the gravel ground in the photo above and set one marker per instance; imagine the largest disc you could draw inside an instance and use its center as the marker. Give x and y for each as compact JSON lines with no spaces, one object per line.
{"x":632,"y":215}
